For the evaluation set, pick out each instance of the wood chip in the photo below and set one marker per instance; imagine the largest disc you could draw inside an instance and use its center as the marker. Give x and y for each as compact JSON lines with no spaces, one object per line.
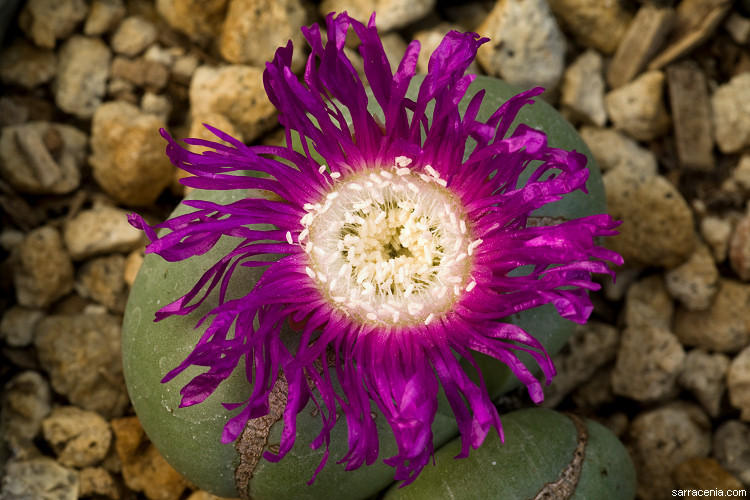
{"x":691,"y":112}
{"x":694,"y":23}
{"x":645,"y":36}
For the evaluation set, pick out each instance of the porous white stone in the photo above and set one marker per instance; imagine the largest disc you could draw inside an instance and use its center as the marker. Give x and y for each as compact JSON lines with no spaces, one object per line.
{"x":582,"y":90}
{"x":526,"y":46}
{"x":82,"y":75}
{"x":730,"y":104}
{"x":637,"y":108}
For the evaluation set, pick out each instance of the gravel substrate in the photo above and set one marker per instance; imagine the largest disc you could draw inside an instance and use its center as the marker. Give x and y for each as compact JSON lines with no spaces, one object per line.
{"x":659,"y":90}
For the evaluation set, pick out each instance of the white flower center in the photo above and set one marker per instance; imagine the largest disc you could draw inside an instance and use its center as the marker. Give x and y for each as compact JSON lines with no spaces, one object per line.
{"x":389,"y":246}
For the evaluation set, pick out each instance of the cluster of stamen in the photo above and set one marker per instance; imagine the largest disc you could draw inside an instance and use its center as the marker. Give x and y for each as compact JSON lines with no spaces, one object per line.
{"x":390,"y":246}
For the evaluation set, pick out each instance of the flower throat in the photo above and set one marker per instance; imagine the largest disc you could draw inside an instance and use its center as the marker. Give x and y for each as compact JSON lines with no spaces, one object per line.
{"x":389,"y":246}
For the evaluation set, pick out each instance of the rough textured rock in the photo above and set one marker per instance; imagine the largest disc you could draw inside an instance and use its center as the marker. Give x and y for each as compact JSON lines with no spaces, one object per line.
{"x":134,"y":176}
{"x":140,"y":72}
{"x":695,"y":282}
{"x":134,"y":34}
{"x":582,"y":90}
{"x":592,"y":346}
{"x":705,"y":376}
{"x":40,"y":479}
{"x":100,"y":230}
{"x":26,"y":400}
{"x":82,"y":75}
{"x":27,"y":66}
{"x":80,"y":438}
{"x":391,"y":14}
{"x":704,"y":474}
{"x":612,"y":148}
{"x":104,"y":16}
{"x":254,"y":29}
{"x":82,"y":355}
{"x":731,"y":448}
{"x":648,"y":303}
{"x":45,"y":271}
{"x":17,"y":326}
{"x":662,"y":439}
{"x":595,"y":392}
{"x":593,"y":23}
{"x":716,"y":233}
{"x":657,"y":227}
{"x":738,"y":383}
{"x":739,"y":249}
{"x":730,"y":104}
{"x":98,"y":482}
{"x":724,"y":327}
{"x":637,"y":108}
{"x":143,"y":467}
{"x":103,"y":280}
{"x":157,"y":105}
{"x":200,"y":20}
{"x":42,"y":157}
{"x":236,"y":92}
{"x":649,"y":360}
{"x":526,"y":46}
{"x":46,"y":21}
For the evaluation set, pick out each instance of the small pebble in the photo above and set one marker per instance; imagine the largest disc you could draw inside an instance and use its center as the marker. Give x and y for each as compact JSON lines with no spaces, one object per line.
{"x":133,"y":176}
{"x":662,"y":439}
{"x":637,"y":108}
{"x":46,"y":21}
{"x":591,"y":346}
{"x":103,"y":17}
{"x":648,"y":303}
{"x":582,"y":90}
{"x":26,"y":402}
{"x":731,"y":112}
{"x":82,"y":75}
{"x":695,"y":282}
{"x":80,"y":438}
{"x":391,"y":14}
{"x":612,"y":148}
{"x":704,"y":474}
{"x":27,"y":66}
{"x":731,"y":448}
{"x":657,"y":228}
{"x":17,"y":325}
{"x":100,"y":230}
{"x":716,"y":233}
{"x":705,"y":376}
{"x":593,"y":23}
{"x":45,"y":271}
{"x":724,"y":327}
{"x":39,"y":479}
{"x":40,"y":157}
{"x":143,"y":467}
{"x":254,"y":29}
{"x":133,"y":36}
{"x":526,"y":46}
{"x":236,"y":92}
{"x":200,"y":21}
{"x":103,"y":280}
{"x":649,"y":360}
{"x":98,"y":482}
{"x":81,"y":354}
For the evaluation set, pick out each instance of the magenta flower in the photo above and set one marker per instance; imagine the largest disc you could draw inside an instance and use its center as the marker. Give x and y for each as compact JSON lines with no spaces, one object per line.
{"x":396,"y":254}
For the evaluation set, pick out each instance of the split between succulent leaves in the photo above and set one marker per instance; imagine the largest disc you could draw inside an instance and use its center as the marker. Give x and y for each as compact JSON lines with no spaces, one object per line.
{"x":438,"y":252}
